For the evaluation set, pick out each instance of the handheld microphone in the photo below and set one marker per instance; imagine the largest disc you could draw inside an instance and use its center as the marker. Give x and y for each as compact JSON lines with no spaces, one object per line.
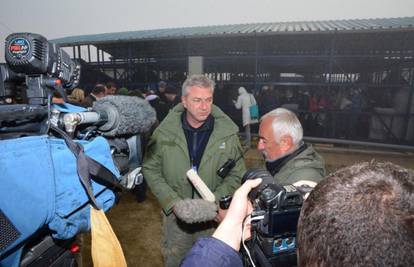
{"x":115,"y":116}
{"x":200,"y":186}
{"x":195,"y":210}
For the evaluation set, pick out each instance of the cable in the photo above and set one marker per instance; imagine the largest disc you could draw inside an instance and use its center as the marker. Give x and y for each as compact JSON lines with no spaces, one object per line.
{"x":245,"y":222}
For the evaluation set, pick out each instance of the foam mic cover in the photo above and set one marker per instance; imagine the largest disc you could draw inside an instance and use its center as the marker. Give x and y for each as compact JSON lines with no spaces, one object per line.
{"x":127,"y":115}
{"x":195,"y":210}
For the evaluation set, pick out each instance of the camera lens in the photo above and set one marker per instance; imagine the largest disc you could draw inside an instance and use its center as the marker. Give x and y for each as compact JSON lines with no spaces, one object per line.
{"x":268,"y":193}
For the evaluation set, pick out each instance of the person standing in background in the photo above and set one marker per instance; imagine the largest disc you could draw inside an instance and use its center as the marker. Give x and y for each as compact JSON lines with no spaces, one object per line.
{"x":111,"y":88}
{"x":162,"y":86}
{"x":244,"y":101}
{"x":77,"y":96}
{"x":98,"y":91}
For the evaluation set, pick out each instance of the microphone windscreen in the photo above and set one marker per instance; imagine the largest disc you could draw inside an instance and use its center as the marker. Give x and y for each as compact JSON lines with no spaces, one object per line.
{"x":127,"y":115}
{"x":195,"y":210}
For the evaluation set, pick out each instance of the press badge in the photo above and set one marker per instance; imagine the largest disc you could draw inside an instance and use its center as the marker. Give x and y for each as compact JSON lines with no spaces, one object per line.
{"x":222,"y":145}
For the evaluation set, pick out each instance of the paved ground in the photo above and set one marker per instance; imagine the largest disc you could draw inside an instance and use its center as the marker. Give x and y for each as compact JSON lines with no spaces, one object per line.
{"x":137,"y":225}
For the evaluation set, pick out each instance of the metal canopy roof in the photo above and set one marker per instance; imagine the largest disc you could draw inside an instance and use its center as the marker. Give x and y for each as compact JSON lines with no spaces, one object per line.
{"x":354,"y":25}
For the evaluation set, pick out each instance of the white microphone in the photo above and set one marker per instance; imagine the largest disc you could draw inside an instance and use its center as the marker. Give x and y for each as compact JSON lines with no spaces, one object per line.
{"x":200,"y":186}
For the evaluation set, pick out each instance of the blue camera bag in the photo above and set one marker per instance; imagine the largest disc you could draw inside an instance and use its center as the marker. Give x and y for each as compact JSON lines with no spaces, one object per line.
{"x":40,"y":186}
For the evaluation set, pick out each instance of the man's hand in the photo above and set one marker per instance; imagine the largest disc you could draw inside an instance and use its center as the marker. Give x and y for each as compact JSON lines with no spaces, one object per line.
{"x":230,"y":230}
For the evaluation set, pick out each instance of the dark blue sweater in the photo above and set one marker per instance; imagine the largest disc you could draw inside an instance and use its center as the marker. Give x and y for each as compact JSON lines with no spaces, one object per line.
{"x":209,"y":252}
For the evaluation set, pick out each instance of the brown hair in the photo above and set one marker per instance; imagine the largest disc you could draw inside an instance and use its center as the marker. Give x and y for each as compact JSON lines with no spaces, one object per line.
{"x":361,"y":215}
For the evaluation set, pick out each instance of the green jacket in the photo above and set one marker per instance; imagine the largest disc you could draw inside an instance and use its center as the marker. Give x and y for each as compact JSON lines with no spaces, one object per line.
{"x":308,"y":165}
{"x":167,"y":160}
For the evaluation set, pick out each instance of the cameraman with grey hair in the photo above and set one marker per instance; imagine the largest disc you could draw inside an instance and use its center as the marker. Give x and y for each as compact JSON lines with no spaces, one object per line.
{"x":288,"y":158}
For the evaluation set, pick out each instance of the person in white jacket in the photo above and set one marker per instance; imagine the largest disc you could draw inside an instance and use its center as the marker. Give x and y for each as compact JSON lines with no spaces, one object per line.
{"x":244,"y":101}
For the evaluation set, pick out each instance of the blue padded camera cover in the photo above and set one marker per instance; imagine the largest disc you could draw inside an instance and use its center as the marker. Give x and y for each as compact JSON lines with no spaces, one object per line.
{"x":39,"y":186}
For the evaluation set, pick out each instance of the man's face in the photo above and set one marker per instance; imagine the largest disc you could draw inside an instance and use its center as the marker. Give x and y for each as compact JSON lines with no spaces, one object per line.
{"x":198,"y":103}
{"x":267,"y":144}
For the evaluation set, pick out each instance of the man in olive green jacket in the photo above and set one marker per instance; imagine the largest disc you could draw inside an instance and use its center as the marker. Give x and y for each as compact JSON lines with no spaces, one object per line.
{"x":195,"y":134}
{"x":288,"y":158}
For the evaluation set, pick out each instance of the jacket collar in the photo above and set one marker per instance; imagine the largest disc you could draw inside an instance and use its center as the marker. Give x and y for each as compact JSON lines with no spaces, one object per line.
{"x":275,"y":166}
{"x":206,"y":126}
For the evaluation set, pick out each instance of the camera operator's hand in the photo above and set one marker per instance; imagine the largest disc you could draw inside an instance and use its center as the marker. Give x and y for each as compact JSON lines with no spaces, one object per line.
{"x":230,"y":230}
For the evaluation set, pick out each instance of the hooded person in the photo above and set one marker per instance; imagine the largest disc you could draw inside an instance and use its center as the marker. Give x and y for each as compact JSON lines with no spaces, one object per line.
{"x":244,"y":101}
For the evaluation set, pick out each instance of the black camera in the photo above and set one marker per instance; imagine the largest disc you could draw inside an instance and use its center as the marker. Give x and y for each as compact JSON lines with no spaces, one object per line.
{"x":278,"y":209}
{"x":35,"y":71}
{"x":44,"y":64}
{"x":103,"y":144}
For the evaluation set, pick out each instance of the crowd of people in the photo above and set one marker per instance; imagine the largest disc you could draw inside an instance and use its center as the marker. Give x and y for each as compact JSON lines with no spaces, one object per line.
{"x":360,"y":215}
{"x":321,"y":111}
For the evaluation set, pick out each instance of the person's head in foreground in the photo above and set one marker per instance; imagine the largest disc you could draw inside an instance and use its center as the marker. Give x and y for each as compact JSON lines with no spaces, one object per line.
{"x":361,"y":215}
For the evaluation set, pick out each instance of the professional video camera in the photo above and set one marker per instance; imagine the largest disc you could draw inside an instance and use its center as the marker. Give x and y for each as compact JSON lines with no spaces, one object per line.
{"x":276,"y":213}
{"x":58,"y":159}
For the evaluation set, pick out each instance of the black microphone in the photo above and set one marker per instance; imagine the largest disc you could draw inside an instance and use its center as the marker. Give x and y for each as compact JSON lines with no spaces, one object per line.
{"x":116,"y":115}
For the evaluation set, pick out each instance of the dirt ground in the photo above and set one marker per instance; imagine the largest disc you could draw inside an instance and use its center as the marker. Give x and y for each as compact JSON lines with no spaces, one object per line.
{"x":138,"y":225}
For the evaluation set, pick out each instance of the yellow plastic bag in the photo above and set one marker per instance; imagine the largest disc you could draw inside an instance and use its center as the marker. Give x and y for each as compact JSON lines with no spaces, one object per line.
{"x":105,"y":248}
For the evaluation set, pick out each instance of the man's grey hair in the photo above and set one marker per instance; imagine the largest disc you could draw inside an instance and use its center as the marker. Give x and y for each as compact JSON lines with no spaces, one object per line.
{"x":198,"y":80}
{"x":285,"y":122}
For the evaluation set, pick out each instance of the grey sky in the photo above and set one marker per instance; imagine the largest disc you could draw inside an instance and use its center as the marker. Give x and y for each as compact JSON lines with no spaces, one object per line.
{"x":54,"y":19}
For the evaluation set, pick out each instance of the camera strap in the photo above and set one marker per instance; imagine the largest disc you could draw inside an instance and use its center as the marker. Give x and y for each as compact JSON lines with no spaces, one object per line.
{"x":88,"y":167}
{"x":106,"y":249}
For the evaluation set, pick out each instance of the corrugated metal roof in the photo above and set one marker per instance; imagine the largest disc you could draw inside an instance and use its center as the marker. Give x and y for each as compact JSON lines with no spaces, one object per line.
{"x":242,"y":29}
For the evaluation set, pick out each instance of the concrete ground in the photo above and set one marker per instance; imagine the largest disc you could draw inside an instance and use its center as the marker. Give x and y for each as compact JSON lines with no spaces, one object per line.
{"x":138,"y":225}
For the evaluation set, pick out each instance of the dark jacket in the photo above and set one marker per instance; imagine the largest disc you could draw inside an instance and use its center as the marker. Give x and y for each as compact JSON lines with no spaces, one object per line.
{"x":211,"y":252}
{"x":167,"y":159}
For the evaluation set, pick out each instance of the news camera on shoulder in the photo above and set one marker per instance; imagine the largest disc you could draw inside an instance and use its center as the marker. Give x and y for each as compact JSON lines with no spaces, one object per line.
{"x":76,"y":156}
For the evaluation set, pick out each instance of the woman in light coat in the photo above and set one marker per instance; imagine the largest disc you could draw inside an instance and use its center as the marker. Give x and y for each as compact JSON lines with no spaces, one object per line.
{"x":244,"y":101}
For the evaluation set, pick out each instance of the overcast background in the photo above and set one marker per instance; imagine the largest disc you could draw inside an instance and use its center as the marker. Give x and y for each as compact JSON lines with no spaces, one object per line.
{"x":54,"y":19}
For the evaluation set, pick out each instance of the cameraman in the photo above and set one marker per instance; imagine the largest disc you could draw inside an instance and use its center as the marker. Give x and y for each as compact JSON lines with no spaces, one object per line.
{"x":222,"y":248}
{"x":288,"y":158}
{"x":361,"y":215}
